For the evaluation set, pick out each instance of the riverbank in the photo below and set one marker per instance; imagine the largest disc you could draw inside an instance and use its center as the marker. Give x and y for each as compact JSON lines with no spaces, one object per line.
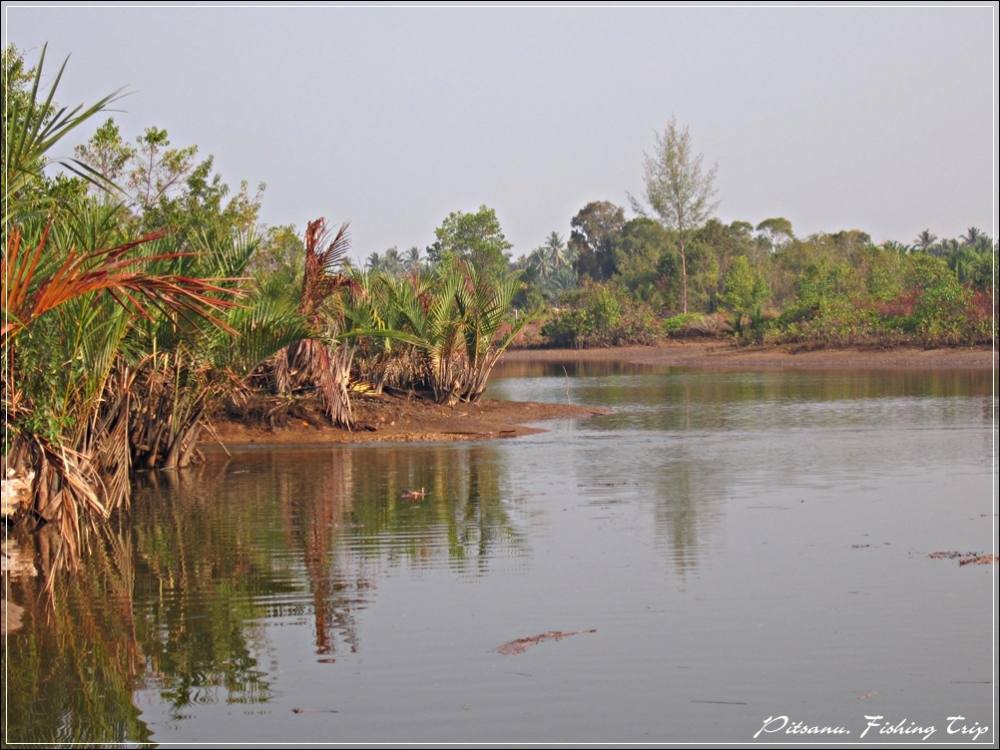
{"x":392,"y":418}
{"x":389,"y":418}
{"x":719,"y":355}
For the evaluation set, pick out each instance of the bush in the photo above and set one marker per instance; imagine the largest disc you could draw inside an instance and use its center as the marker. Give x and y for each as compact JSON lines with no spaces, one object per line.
{"x":602,"y":315}
{"x":696,"y":325}
{"x":939,"y":316}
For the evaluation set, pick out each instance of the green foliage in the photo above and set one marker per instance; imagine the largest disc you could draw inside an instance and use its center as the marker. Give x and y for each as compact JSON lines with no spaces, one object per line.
{"x":547,"y":272}
{"x":166,"y":187}
{"x":595,"y":231}
{"x":600,"y":315}
{"x":32,"y":127}
{"x":776,"y":231}
{"x":744,"y":291}
{"x":475,"y":237}
{"x":743,"y":287}
{"x":444,"y":333}
{"x":940,"y":313}
{"x":675,"y":324}
{"x":645,"y":257}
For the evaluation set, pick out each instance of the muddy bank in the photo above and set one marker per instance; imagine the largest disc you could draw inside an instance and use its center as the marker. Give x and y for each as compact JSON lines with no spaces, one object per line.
{"x":399,"y":419}
{"x":719,"y":355}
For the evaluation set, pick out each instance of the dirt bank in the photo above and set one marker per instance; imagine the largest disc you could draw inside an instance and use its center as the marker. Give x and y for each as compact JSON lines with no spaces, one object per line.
{"x":715,"y":354}
{"x":400,"y":419}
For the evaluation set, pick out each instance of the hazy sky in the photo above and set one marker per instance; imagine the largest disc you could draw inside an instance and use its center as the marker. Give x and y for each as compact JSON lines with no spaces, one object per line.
{"x":878,"y":119}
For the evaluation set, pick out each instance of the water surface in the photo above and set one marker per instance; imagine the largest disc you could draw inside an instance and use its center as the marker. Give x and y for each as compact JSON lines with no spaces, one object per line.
{"x":744,"y":544}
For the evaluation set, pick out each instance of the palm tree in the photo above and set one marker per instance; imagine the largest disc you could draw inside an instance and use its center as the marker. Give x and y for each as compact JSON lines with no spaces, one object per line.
{"x":972,"y":236}
{"x":413,"y":260}
{"x":32,"y":126}
{"x":925,"y":240}
{"x":392,"y":262}
{"x":322,"y":361}
{"x":946,"y":247}
{"x":459,"y":323}
{"x":555,"y":251}
{"x":896,"y":247}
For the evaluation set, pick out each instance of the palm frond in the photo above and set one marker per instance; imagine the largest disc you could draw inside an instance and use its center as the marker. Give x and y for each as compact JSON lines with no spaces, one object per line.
{"x":27,"y":295}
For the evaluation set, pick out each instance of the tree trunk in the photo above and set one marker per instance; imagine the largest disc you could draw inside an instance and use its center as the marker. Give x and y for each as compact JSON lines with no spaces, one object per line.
{"x":684,"y":277}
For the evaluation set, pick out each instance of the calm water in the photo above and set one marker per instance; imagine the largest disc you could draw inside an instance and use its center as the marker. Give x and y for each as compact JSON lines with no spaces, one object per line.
{"x":744,"y":544}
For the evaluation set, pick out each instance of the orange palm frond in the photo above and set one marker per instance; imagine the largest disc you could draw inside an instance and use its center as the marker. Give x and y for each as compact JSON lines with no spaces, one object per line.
{"x":25,"y":297}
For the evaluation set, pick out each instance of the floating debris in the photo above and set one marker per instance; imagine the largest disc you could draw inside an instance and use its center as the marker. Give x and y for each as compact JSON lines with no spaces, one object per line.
{"x":521,"y":645}
{"x":978,"y":560}
{"x":964,"y":558}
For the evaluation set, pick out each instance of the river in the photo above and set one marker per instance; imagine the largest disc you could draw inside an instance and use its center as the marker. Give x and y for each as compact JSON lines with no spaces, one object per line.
{"x":743,"y":545}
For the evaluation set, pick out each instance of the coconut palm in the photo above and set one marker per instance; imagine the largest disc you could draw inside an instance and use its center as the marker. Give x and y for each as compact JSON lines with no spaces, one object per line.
{"x":925,"y":240}
{"x":413,"y":261}
{"x":973,"y":236}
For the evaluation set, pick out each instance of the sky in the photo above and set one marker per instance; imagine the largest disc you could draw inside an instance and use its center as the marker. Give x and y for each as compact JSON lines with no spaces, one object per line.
{"x":881,"y":119}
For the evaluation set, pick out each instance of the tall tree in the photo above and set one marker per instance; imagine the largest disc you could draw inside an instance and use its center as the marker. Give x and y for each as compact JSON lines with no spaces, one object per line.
{"x":972,"y":236}
{"x":413,"y":260}
{"x":679,"y":190}
{"x":476,"y":237}
{"x":554,"y":250}
{"x":925,"y":240}
{"x":595,"y":230}
{"x":776,"y":230}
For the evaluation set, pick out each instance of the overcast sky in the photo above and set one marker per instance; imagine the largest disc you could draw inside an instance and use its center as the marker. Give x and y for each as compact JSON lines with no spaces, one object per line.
{"x":877,"y":119}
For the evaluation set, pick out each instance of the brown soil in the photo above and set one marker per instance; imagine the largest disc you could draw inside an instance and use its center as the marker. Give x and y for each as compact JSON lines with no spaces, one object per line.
{"x":399,"y":419}
{"x":719,"y":355}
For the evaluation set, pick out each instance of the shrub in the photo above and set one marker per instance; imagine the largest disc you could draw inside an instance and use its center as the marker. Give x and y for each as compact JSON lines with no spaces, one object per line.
{"x":696,"y":325}
{"x":602,"y":315}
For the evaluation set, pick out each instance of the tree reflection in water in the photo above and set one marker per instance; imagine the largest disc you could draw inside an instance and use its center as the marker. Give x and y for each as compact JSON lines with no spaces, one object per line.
{"x":177,"y":595}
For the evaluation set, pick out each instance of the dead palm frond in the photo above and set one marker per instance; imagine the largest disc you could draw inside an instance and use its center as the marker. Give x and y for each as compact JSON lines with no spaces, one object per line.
{"x":29,"y":294}
{"x":322,"y":361}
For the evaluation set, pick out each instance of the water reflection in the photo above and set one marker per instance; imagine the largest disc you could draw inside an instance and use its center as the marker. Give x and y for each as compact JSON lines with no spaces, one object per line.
{"x":685,"y":442}
{"x":71,"y":670}
{"x":255,"y":585}
{"x":466,"y":510}
{"x":176,"y":598}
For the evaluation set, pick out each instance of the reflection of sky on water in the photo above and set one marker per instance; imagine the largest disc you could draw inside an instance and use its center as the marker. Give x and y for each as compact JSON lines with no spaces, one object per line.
{"x":759,"y":539}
